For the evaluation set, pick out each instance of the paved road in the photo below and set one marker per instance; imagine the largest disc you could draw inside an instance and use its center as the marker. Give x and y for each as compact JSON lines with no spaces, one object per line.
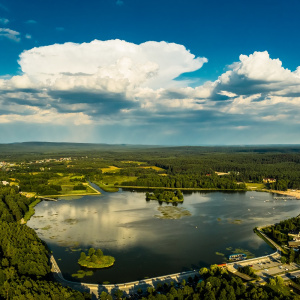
{"x":267,"y":266}
{"x":128,"y":288}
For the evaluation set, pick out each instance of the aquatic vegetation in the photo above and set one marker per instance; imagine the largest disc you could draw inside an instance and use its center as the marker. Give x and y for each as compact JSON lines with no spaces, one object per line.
{"x":245,"y":251}
{"x":71,"y":221}
{"x":46,"y":227}
{"x":81,"y":274}
{"x":172,"y":212}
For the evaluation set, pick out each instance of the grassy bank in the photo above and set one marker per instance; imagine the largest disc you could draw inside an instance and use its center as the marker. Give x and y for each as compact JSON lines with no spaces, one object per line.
{"x":262,"y":237}
{"x":31,"y":210}
{"x":107,"y":187}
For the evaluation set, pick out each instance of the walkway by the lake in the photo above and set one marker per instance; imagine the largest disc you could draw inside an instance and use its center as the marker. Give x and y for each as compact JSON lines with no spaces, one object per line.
{"x":134,"y":286}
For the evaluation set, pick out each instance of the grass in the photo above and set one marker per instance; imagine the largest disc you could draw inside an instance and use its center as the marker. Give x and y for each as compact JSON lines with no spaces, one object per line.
{"x":262,"y":237}
{"x":110,"y":182}
{"x":62,"y":180}
{"x":255,"y":186}
{"x":154,"y":168}
{"x":31,"y":210}
{"x":67,"y":185}
{"x":222,"y":173}
{"x":68,"y":189}
{"x":133,"y":162}
{"x":117,"y":179}
{"x":110,"y":188}
{"x":28,"y":194}
{"x":110,"y":169}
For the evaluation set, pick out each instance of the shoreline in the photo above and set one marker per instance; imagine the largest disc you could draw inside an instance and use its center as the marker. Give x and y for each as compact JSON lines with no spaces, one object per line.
{"x":72,"y":195}
{"x":183,"y":189}
{"x":289,"y":192}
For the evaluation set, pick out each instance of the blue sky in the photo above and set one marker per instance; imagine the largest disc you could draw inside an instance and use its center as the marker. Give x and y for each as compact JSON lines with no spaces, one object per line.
{"x":150,"y":72}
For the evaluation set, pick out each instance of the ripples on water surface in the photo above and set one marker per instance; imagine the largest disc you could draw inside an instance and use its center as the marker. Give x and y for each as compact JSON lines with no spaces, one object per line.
{"x":143,"y":238}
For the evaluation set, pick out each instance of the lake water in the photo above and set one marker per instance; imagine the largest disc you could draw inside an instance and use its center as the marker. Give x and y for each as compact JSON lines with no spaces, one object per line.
{"x":144,"y":244}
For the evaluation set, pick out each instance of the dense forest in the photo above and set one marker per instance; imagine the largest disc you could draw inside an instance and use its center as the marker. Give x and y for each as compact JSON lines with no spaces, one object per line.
{"x":36,"y":164}
{"x":216,"y":283}
{"x":48,"y":169}
{"x":24,"y":258}
{"x":209,"y":181}
{"x":279,"y":233}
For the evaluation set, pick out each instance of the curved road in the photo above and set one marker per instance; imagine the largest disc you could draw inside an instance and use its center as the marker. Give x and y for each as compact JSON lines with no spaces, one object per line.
{"x":134,"y":286}
{"x":128,"y":288}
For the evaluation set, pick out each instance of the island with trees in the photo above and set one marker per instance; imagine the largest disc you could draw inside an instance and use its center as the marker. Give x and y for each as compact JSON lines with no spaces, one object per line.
{"x":165,"y":196}
{"x":95,"y":259}
{"x":42,"y":169}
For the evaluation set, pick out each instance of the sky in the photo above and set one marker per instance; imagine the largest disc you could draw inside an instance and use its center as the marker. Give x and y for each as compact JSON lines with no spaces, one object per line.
{"x":154,"y":72}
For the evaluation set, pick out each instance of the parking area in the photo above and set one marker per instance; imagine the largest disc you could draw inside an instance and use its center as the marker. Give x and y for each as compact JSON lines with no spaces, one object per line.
{"x":268,"y":266}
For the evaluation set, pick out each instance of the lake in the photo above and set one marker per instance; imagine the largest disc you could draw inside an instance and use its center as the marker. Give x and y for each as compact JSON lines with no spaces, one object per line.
{"x":145,"y":241}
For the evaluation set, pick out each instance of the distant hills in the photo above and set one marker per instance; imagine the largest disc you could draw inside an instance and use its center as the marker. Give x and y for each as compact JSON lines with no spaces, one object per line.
{"x":63,"y":148}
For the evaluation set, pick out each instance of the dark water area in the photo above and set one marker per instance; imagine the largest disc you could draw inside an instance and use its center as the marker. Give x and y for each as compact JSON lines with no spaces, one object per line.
{"x":146,"y":244}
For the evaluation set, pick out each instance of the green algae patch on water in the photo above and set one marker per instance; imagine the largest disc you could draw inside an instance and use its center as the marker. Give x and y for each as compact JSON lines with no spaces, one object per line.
{"x":46,"y":227}
{"x":245,"y":251}
{"x":172,"y":212}
{"x":81,"y":274}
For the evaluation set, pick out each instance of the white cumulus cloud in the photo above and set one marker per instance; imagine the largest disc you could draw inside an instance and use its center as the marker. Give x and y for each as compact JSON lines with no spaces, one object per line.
{"x":153,"y":64}
{"x":257,"y":73}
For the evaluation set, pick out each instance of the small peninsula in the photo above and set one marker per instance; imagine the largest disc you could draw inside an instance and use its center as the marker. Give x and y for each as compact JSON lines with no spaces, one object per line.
{"x":95,"y":259}
{"x":165,"y":196}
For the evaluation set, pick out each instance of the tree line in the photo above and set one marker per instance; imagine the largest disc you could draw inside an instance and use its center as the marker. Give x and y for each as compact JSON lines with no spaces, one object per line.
{"x":24,"y":258}
{"x":209,"y":181}
{"x":214,"y":283}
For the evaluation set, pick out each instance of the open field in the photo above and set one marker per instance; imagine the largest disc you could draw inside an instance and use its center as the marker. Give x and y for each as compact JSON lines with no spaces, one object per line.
{"x":255,"y":186}
{"x":65,"y":179}
{"x":133,"y":162}
{"x":110,"y":182}
{"x":110,"y":169}
{"x":153,"y":168}
{"x":117,"y":179}
{"x":68,"y":189}
{"x":221,"y":173}
{"x":28,"y":194}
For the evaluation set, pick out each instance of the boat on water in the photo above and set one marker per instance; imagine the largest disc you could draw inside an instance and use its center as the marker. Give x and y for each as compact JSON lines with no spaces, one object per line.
{"x":237,"y":256}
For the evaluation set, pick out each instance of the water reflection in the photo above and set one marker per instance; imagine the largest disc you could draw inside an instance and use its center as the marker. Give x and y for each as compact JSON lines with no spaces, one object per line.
{"x":144,"y":244}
